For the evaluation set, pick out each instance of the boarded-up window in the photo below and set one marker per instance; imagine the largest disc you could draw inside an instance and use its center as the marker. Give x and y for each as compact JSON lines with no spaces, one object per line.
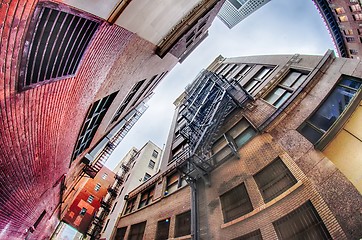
{"x":55,"y":44}
{"x":183,"y":224}
{"x":274,"y":179}
{"x":235,"y":203}
{"x":302,"y":223}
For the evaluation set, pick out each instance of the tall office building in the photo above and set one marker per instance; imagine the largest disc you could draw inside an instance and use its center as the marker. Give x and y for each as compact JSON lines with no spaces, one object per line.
{"x":75,"y":77}
{"x":261,"y":147}
{"x":234,"y":11}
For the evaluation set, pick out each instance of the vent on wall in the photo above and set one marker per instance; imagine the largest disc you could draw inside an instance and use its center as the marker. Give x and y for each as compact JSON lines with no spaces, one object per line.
{"x":56,"y":40}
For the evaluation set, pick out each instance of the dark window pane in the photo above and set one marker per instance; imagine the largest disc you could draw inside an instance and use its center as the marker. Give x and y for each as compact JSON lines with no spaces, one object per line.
{"x":183,"y":224}
{"x":163,"y":228}
{"x":351,"y":83}
{"x":121,"y":232}
{"x":236,"y":3}
{"x":310,"y":133}
{"x":256,"y":235}
{"x":244,"y":136}
{"x":332,"y":108}
{"x":137,"y":231}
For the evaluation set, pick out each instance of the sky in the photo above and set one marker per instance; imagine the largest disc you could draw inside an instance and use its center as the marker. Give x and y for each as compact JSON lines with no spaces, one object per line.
{"x":279,"y":27}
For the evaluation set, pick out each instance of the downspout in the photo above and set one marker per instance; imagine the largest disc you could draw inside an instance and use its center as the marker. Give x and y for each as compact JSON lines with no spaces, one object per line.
{"x":195,"y":230}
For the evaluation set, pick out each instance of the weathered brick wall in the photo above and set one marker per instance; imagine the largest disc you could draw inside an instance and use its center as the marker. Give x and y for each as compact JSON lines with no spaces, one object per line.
{"x":39,"y":127}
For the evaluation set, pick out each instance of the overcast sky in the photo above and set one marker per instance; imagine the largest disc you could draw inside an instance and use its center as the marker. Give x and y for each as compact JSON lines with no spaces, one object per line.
{"x":279,"y":27}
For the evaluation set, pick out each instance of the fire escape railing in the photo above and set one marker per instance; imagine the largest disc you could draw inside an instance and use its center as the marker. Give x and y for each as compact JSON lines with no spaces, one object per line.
{"x":106,"y":152}
{"x":209,"y":100}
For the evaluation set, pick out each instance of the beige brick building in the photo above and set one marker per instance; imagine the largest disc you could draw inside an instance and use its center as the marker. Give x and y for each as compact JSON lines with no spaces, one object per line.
{"x":269,"y":147}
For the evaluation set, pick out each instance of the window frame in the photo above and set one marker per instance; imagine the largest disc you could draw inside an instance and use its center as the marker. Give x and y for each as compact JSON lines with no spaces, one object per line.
{"x":130,"y":205}
{"x":151,"y":164}
{"x":288,"y":89}
{"x":147,"y":197}
{"x":332,"y":131}
{"x":90,"y":199}
{"x":257,"y":79}
{"x":97,"y":187}
{"x":178,"y":219}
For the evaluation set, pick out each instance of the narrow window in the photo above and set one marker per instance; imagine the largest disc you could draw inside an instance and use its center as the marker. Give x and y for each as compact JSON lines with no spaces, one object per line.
{"x":235,"y":3}
{"x":340,"y":10}
{"x":127,"y":100}
{"x":146,"y":177}
{"x":154,"y":154}
{"x":83,"y":211}
{"x":235,"y":203}
{"x":104,"y":176}
{"x":355,"y":8}
{"x":285,"y":88}
{"x":130,"y":205}
{"x":357,"y":16}
{"x":137,"y":231}
{"x":37,"y":222}
{"x":302,"y":223}
{"x":163,"y":229}
{"x":350,"y":39}
{"x":57,"y":42}
{"x":343,"y":18}
{"x":256,"y":235}
{"x":90,"y":199}
{"x":348,"y":32}
{"x":91,"y":123}
{"x":274,"y":179}
{"x":243,"y":71}
{"x":172,"y":183}
{"x":105,"y":227}
{"x":255,"y":82}
{"x":330,"y":110}
{"x":147,"y":197}
{"x":183,"y":224}
{"x":97,"y":187}
{"x":121,"y":232}
{"x":151,"y":164}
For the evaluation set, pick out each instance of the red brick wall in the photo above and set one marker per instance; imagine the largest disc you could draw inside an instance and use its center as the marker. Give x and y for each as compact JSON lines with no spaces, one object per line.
{"x":39,"y":127}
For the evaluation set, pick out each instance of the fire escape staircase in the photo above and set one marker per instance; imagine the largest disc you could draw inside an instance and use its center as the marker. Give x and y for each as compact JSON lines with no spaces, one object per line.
{"x":103,"y":156}
{"x":207,"y":103}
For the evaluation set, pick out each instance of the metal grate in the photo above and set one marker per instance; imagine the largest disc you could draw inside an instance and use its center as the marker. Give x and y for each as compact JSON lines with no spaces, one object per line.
{"x":55,"y":43}
{"x":302,"y":223}
{"x":274,"y":179}
{"x":94,"y":118}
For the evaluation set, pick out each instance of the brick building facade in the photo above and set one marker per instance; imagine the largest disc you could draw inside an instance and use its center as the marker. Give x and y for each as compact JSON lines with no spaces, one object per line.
{"x":276,"y":162}
{"x":69,"y":77}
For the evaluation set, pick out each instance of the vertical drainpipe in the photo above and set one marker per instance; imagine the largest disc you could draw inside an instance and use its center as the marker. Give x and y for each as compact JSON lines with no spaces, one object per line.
{"x":194,"y":212}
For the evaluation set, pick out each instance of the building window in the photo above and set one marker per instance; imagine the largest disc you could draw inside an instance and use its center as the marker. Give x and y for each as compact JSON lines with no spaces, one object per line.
{"x":57,"y":41}
{"x":340,"y":10}
{"x":228,"y":70}
{"x":244,"y":70}
{"x":137,"y":231}
{"x":127,"y":100}
{"x":154,"y":154}
{"x":348,"y":32}
{"x":83,"y":211}
{"x":235,"y":203}
{"x":105,"y":227}
{"x":355,"y":8}
{"x":350,"y":39}
{"x":221,"y":68}
{"x":147,"y":197}
{"x":256,"y":235}
{"x":252,"y":84}
{"x":121,"y":232}
{"x":146,"y":177}
{"x":90,"y":199}
{"x":151,"y":164}
{"x":97,"y":187}
{"x":130,"y":205}
{"x":104,"y":176}
{"x":357,"y":16}
{"x":343,"y":18}
{"x":114,"y":206}
{"x":353,"y":51}
{"x":300,"y":223}
{"x":235,"y":3}
{"x":183,"y":224}
{"x":90,"y":126}
{"x":285,"y":88}
{"x":330,"y":111}
{"x":239,"y":135}
{"x":163,"y":228}
{"x":274,"y":179}
{"x":173,"y":183}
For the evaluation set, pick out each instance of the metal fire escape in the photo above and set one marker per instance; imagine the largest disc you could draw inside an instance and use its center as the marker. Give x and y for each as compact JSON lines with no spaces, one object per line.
{"x":207,"y":103}
{"x":106,"y":152}
{"x":99,"y":218}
